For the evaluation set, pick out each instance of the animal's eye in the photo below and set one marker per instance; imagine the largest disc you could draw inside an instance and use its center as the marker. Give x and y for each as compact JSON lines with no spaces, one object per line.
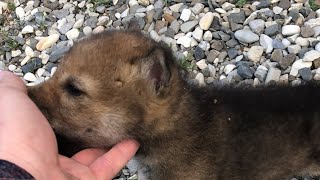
{"x":72,"y":89}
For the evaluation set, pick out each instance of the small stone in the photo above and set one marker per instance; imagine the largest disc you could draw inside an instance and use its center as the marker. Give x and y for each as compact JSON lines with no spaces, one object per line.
{"x":47,"y":42}
{"x":311,"y":56}
{"x":198,"y":53}
{"x":255,"y":52}
{"x":305,"y":74}
{"x":207,"y":36}
{"x":257,"y":25}
{"x":40,"y":72}
{"x":197,"y":8}
{"x":212,"y":70}
{"x":78,"y":23}
{"x":286,"y":43}
{"x":15,"y":53}
{"x":185,"y":15}
{"x":29,"y":52}
{"x":20,"y":13}
{"x":294,"y":49}
{"x":188,"y":26}
{"x":245,"y":71}
{"x":266,"y":43}
{"x":73,"y":34}
{"x":238,"y":18}
{"x":12,"y":67}
{"x":287,"y":60}
{"x":272,"y":30}
{"x":87,"y":30}
{"x":307,"y":31}
{"x":261,"y":73}
{"x":228,"y":68}
{"x":27,"y":29}
{"x":232,"y":53}
{"x":200,"y":78}
{"x":289,"y":30}
{"x":273,"y":75}
{"x":58,"y":54}
{"x":176,"y":7}
{"x":313,"y":22}
{"x":277,"y":9}
{"x":277,"y":55}
{"x":302,"y":41}
{"x":157,"y":14}
{"x":246,"y":36}
{"x":29,"y":77}
{"x":197,"y":34}
{"x":202,"y":64}
{"x":206,"y":20}
{"x":299,"y":64}
{"x":285,"y":4}
{"x":185,"y":41}
{"x":91,"y":22}
{"x":277,"y":44}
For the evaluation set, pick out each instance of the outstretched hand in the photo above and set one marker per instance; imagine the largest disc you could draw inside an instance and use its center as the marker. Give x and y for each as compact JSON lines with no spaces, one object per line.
{"x":27,"y":140}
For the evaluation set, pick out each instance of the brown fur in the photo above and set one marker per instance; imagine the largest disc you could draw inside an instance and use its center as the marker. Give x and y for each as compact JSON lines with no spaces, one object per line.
{"x":120,"y":84}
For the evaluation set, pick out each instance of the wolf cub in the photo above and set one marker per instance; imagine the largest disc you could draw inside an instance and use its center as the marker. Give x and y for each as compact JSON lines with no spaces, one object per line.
{"x":121,"y":84}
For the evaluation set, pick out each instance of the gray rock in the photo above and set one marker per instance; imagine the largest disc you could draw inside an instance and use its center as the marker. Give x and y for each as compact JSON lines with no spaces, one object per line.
{"x":61,"y":13}
{"x":212,"y":55}
{"x":217,"y":45}
{"x":158,"y":4}
{"x":307,"y":31}
{"x":237,"y":17}
{"x":261,"y":73}
{"x":285,"y":4}
{"x":198,"y":53}
{"x":65,"y":28}
{"x":245,"y":71}
{"x":257,"y":25}
{"x":235,"y":26}
{"x":287,"y":60}
{"x":263,"y":4}
{"x":188,"y":26}
{"x":246,"y":36}
{"x":39,"y":18}
{"x":273,"y":75}
{"x":32,"y":65}
{"x":277,"y":55}
{"x":232,"y":53}
{"x":100,"y":9}
{"x":277,"y":44}
{"x":58,"y":54}
{"x":232,"y":43}
{"x":175,"y":26}
{"x":91,"y":22}
{"x":305,"y":74}
{"x":157,"y":14}
{"x":272,"y":30}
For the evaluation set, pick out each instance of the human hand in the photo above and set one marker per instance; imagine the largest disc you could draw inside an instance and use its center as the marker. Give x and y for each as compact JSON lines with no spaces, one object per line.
{"x":27,"y":140}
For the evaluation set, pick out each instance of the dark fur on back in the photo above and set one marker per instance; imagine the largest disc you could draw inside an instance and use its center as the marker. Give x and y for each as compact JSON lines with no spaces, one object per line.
{"x":130,"y":87}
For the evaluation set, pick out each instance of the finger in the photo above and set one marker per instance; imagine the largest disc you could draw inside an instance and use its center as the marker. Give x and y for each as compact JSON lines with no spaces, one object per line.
{"x":108,"y":165}
{"x":10,"y":80}
{"x":75,"y":169}
{"x":88,"y":156}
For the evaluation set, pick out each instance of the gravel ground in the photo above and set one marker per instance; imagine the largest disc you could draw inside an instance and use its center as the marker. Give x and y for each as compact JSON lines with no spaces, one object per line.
{"x":218,"y":41}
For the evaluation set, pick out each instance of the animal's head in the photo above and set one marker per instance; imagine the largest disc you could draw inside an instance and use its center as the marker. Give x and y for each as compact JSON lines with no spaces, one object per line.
{"x":109,"y":87}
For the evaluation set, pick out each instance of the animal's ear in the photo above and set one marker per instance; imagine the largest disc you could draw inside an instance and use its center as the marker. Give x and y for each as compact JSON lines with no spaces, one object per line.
{"x":157,"y":66}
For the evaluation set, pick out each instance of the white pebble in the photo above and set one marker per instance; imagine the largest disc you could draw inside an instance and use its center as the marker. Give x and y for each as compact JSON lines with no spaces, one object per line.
{"x":286,"y":42}
{"x":294,"y":49}
{"x":15,"y":53}
{"x":289,"y":30}
{"x":197,"y":34}
{"x":40,"y":72}
{"x":98,"y":29}
{"x":228,"y":68}
{"x":78,"y":23}
{"x":44,"y":58}
{"x":200,"y":79}
{"x":277,"y":9}
{"x":25,"y":60}
{"x":12,"y":67}
{"x":27,"y":29}
{"x":20,"y":13}
{"x":207,"y":36}
{"x":202,"y":64}
{"x":73,"y":34}
{"x":53,"y":70}
{"x":87,"y":30}
{"x":311,"y":56}
{"x":29,"y":52}
{"x":266,"y":43}
{"x":29,"y":77}
{"x":185,"y":41}
{"x":317,"y":47}
{"x":255,"y":52}
{"x":302,"y":41}
{"x":185,"y":15}
{"x":175,"y":7}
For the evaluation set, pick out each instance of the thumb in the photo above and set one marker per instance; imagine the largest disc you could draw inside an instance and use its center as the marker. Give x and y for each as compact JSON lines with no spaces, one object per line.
{"x":12,"y":81}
